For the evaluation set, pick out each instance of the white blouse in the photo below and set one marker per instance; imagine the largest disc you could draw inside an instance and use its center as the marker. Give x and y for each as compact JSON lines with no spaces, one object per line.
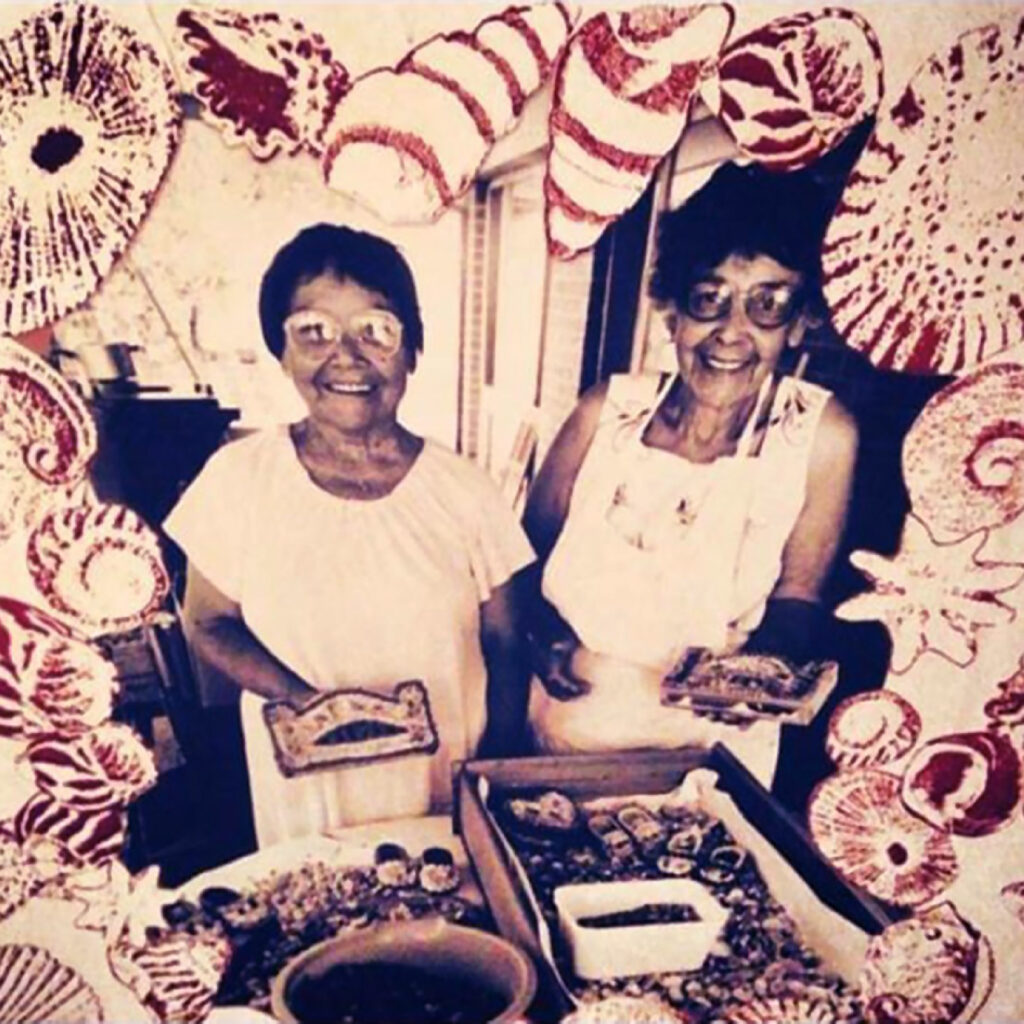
{"x":360,"y":594}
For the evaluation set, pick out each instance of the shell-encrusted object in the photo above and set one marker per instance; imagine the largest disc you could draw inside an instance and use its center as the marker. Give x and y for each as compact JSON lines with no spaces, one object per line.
{"x":963,"y":457}
{"x":35,"y":987}
{"x":99,"y":564}
{"x":791,"y":90}
{"x":623,"y":94}
{"x":626,"y":1010}
{"x":921,"y":969}
{"x":90,"y":120}
{"x":968,"y":783}
{"x":47,"y":436}
{"x":407,"y":142}
{"x":109,"y":766}
{"x":859,"y":823}
{"x":264,"y":80}
{"x":933,"y":597}
{"x":78,"y":837}
{"x":794,"y":1010}
{"x":923,"y":258}
{"x":871,"y":729}
{"x":176,"y":976}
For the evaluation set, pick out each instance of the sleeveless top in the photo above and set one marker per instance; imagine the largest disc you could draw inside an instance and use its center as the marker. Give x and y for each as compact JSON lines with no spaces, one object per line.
{"x":659,"y":554}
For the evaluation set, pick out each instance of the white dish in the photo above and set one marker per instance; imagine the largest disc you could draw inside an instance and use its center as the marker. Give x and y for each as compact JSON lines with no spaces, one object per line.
{"x":621,"y":951}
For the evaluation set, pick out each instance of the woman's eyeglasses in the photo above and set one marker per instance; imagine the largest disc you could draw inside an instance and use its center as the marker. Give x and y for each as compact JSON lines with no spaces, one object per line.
{"x":767,"y":305}
{"x":313,"y":331}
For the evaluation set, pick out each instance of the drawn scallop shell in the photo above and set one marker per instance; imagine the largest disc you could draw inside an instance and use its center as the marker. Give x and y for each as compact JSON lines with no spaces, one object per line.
{"x":89,"y":119}
{"x":963,"y":458}
{"x":922,"y":969}
{"x":870,"y":729}
{"x":35,"y":986}
{"x":923,"y":257}
{"x":99,"y":564}
{"x":47,"y":436}
{"x":859,"y":823}
{"x":775,"y":1011}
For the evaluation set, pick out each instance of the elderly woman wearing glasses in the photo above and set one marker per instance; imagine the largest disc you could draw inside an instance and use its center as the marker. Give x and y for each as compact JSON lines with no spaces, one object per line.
{"x":343,"y":552}
{"x":698,"y":509}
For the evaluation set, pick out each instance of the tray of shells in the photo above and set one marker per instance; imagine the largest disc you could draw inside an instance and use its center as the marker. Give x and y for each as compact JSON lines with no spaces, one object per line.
{"x":273,"y":918}
{"x":648,"y":894}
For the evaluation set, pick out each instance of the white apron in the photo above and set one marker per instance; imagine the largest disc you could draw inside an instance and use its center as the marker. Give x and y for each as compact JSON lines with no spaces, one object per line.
{"x":659,"y":554}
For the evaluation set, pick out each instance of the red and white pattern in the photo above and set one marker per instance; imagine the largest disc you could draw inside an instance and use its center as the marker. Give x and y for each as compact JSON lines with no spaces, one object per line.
{"x":1005,"y":711}
{"x":794,"y":88}
{"x":963,"y":458}
{"x":35,"y":986}
{"x":858,"y":822}
{"x":968,"y":783}
{"x":18,"y":880}
{"x":775,"y":1011}
{"x":77,"y":837}
{"x":107,"y":767}
{"x":923,"y":258}
{"x":52,"y":681}
{"x":924,"y":969}
{"x":622,"y":99}
{"x":90,"y":119}
{"x":407,"y":142}
{"x":176,"y":977}
{"x":932,"y":597}
{"x":871,"y":729}
{"x":1012,"y":896}
{"x":47,"y":437}
{"x":99,"y":564}
{"x":265,"y":81}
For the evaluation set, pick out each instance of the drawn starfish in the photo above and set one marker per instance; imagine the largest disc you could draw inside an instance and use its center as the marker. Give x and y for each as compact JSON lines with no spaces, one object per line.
{"x":933,"y":597}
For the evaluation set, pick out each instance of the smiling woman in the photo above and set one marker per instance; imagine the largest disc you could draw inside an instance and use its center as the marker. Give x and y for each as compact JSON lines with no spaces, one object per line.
{"x":701,"y":509}
{"x":345,"y":553}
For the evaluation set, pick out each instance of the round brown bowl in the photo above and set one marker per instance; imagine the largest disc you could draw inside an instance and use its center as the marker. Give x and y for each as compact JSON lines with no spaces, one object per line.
{"x":431,"y":945}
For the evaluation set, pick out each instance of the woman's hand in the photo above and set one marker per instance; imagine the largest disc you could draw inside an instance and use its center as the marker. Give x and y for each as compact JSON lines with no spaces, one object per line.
{"x":552,"y":644}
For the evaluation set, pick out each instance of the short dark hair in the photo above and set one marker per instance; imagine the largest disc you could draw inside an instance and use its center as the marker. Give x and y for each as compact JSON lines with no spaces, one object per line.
{"x":741,"y":211}
{"x":357,"y":256}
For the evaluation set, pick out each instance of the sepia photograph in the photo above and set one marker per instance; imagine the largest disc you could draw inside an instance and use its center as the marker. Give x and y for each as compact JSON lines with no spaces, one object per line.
{"x":511,"y":514}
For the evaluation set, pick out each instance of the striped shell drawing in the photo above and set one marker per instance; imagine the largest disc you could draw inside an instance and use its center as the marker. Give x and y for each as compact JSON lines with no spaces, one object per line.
{"x":923,"y":259}
{"x":623,"y":94}
{"x":407,"y":142}
{"x":99,"y":564}
{"x":89,"y":119}
{"x":265,"y":81}
{"x":870,"y":729}
{"x":792,"y":90}
{"x":47,"y":437}
{"x":35,"y":986}
{"x":80,"y":837}
{"x":106,"y":767}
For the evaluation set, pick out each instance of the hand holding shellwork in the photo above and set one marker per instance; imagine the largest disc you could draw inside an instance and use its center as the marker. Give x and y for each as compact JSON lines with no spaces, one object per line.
{"x":551,"y":645}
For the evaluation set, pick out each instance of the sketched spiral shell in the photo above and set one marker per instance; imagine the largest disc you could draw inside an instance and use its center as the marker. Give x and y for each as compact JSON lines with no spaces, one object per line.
{"x":963,"y":458}
{"x":35,"y":986}
{"x":870,"y":729}
{"x":858,"y":822}
{"x":100,"y":564}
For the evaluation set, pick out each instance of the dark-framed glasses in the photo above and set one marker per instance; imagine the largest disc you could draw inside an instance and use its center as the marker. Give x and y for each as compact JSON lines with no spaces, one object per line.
{"x":767,"y":305}
{"x":314,"y":331}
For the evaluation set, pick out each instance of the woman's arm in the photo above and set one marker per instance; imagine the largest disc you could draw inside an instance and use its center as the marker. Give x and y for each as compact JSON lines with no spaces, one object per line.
{"x":507,"y":674}
{"x":551,"y":640}
{"x":794,"y":623}
{"x":221,"y":639}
